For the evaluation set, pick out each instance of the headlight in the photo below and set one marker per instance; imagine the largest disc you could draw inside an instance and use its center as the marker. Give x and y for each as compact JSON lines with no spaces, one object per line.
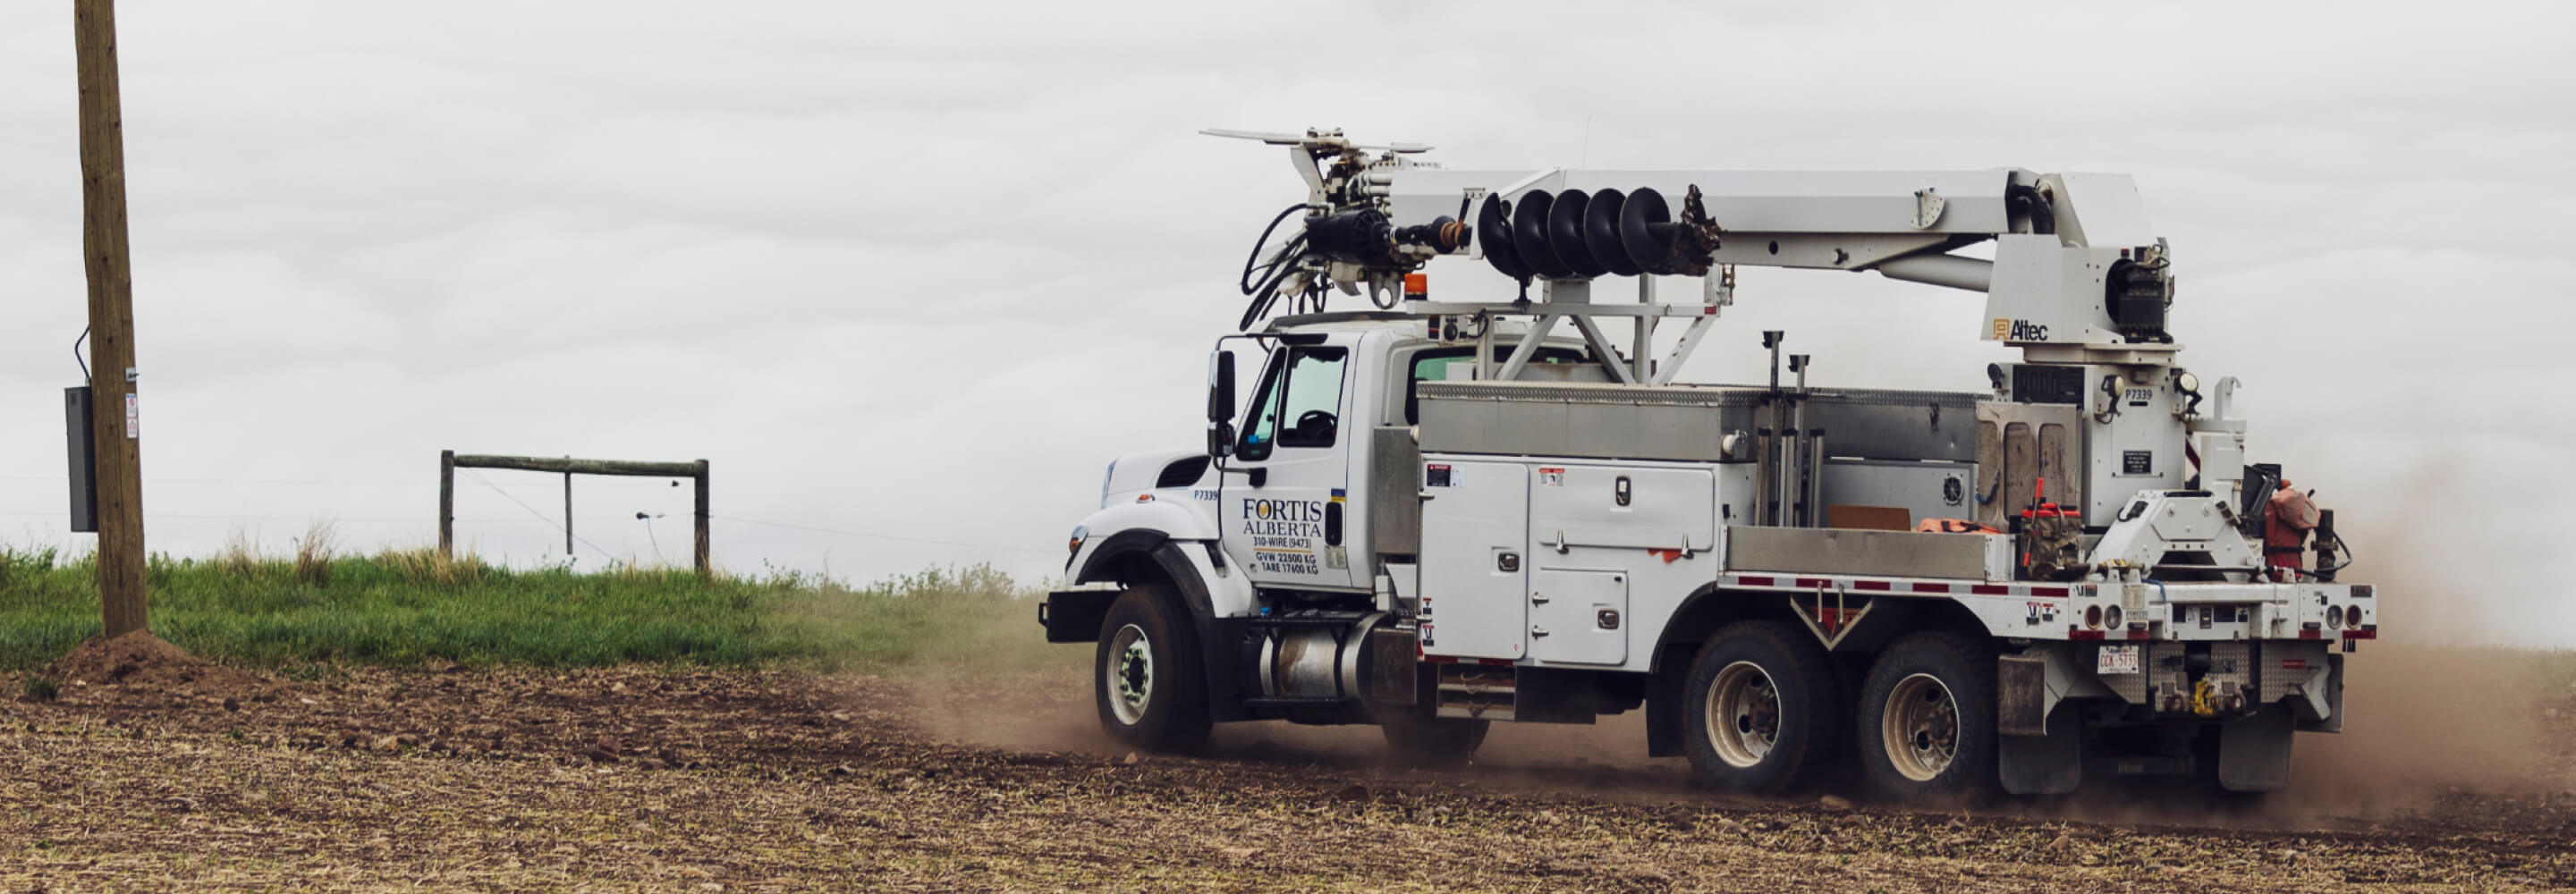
{"x":1079,"y":533}
{"x":1104,"y":483}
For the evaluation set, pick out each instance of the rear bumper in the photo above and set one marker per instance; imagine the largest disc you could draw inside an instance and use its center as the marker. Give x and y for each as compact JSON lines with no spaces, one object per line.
{"x":2162,"y":680}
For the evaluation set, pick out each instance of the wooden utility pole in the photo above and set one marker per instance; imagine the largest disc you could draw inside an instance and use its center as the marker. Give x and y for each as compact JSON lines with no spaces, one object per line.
{"x":114,"y":427}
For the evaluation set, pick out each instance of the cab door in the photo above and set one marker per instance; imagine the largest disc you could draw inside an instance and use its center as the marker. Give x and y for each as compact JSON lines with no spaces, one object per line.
{"x":1284,"y":498}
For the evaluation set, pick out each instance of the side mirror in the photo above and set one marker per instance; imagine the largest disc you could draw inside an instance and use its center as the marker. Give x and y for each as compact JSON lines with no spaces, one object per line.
{"x":1221,"y":389}
{"x":1221,"y":439}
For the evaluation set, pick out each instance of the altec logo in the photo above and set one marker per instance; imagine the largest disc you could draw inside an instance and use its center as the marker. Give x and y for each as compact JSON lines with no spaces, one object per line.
{"x":2019,"y":330}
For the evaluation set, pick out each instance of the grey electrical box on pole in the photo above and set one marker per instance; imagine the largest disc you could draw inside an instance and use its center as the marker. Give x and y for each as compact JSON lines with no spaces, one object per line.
{"x":84,"y":459}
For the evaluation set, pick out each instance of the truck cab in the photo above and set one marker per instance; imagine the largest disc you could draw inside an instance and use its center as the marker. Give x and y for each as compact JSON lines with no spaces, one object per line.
{"x":1324,"y":446}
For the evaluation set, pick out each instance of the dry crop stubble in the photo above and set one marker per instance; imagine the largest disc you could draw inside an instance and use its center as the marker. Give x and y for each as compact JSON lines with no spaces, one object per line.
{"x":641,"y":779}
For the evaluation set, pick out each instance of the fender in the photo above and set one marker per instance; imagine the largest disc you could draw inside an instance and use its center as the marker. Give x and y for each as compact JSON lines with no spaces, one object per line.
{"x":1159,"y":519}
{"x":1664,"y":690}
{"x":1099,"y":554}
{"x":1211,"y":592}
{"x":1694,"y":608}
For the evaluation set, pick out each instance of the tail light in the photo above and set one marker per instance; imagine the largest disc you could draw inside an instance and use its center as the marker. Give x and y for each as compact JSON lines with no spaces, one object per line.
{"x":2093,"y":617}
{"x":2352,"y":616}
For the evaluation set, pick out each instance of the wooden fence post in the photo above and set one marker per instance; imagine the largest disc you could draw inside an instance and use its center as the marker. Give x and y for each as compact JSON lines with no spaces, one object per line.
{"x":447,"y":504}
{"x":706,"y":566}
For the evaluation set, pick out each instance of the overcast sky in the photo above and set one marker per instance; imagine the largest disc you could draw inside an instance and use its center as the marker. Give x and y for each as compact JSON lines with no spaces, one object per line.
{"x":911,"y":274}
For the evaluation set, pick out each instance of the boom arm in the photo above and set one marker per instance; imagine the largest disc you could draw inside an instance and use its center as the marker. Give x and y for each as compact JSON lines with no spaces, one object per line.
{"x":2077,"y":271}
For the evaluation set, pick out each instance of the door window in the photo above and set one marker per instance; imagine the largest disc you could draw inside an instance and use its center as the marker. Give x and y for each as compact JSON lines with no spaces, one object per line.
{"x":1301,"y":408}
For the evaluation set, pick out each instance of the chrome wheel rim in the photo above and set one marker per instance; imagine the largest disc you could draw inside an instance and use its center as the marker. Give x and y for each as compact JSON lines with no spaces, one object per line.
{"x":1743,"y":714}
{"x":1920,"y":727}
{"x":1131,"y":674}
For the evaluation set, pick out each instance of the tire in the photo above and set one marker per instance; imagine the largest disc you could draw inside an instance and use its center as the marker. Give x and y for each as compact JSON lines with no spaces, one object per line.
{"x":1146,"y":678}
{"x":1418,"y":741}
{"x":1926,"y":727}
{"x":1759,"y":708}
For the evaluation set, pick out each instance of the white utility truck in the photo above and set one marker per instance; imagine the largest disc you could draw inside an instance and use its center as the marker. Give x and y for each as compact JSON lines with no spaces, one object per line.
{"x":1433,"y":515}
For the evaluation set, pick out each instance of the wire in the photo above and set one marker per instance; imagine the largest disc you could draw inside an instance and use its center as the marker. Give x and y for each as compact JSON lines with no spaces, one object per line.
{"x":334,"y":519}
{"x":76,"y":355}
{"x":771,"y":524}
{"x":470,"y":473}
{"x":539,"y":516}
{"x":245,"y":481}
{"x":648,"y":536}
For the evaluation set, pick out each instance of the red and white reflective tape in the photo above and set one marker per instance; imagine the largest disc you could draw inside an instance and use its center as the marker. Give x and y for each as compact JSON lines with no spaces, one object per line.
{"x":1888,"y":585}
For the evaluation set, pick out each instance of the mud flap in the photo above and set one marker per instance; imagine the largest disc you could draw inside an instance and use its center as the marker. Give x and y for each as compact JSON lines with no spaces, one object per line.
{"x":2254,"y":751}
{"x":2021,"y":695}
{"x":2321,"y":708}
{"x":1664,"y":707}
{"x":2052,"y":764}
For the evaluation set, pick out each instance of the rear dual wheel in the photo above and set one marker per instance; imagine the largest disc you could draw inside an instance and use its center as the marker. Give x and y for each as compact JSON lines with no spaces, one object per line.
{"x":1759,"y":707}
{"x":1927,"y":719}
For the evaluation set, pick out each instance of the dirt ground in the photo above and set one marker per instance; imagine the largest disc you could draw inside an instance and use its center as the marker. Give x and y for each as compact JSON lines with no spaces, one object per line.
{"x":644,"y":779}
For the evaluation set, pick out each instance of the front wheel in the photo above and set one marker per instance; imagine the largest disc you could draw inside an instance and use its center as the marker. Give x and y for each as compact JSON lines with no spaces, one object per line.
{"x":1146,"y":678}
{"x":1927,"y":719}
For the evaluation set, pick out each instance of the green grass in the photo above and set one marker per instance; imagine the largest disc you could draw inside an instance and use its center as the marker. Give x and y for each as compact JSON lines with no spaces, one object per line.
{"x":416,"y":607}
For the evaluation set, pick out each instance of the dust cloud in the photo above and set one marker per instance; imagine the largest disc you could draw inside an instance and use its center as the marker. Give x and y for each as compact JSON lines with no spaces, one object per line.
{"x":2433,"y":706}
{"x":2433,"y":712}
{"x":1045,"y":703}
{"x":2424,"y":720}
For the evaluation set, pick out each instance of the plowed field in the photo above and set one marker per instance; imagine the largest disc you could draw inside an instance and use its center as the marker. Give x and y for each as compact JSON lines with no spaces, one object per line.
{"x":642,"y":779}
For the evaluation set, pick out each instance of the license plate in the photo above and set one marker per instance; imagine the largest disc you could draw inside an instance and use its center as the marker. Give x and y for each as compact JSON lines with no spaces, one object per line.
{"x":2118,"y":660}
